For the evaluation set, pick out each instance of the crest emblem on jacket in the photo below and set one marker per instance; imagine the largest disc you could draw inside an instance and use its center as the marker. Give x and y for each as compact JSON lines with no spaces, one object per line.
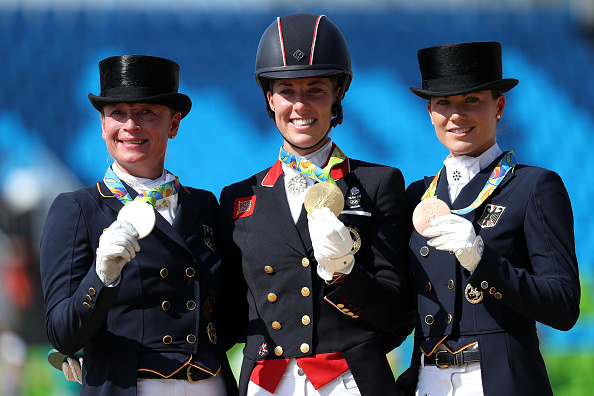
{"x":491,"y":215}
{"x":209,"y":237}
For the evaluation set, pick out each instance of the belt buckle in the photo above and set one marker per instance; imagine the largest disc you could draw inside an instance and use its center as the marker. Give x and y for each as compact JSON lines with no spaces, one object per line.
{"x":441,"y":366}
{"x":189,"y":373}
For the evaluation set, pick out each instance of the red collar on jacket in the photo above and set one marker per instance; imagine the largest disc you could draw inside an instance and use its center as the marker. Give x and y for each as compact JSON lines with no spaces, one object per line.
{"x":337,"y":172}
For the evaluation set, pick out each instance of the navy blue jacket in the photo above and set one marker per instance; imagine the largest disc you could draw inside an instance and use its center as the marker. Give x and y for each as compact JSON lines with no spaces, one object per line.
{"x":266,"y":252}
{"x":528,"y":273}
{"x":121,"y":328}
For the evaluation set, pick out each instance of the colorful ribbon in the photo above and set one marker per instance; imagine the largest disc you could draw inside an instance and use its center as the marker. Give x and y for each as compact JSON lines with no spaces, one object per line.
{"x":507,"y":164}
{"x":113,"y":182}
{"x":309,"y":169}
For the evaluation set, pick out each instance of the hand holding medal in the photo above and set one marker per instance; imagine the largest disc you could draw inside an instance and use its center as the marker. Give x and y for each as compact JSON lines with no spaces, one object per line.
{"x":324,"y":195}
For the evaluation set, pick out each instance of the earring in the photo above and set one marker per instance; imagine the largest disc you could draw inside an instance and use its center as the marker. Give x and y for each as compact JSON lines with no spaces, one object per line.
{"x":432,"y":123}
{"x":498,"y":116}
{"x":171,"y":137}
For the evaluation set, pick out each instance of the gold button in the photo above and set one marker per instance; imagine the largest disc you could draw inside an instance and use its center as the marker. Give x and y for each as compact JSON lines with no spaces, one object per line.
{"x":345,"y":310}
{"x":355,"y":316}
{"x":89,"y":297}
{"x":424,"y":251}
{"x":268,"y":269}
{"x":190,"y":272}
{"x":278,"y":350}
{"x":191,"y":338}
{"x":484,"y":284}
{"x":448,"y":319}
{"x":86,"y":305}
{"x":92,"y":291}
{"x":164,"y":273}
{"x":340,"y":305}
{"x":428,"y":286}
{"x":450,"y":284}
{"x":497,"y":295}
{"x":492,"y":290}
{"x":304,"y":348}
{"x":350,"y":314}
{"x":167,"y":340}
{"x":305,"y":262}
{"x":429,"y":320}
{"x":452,"y":252}
{"x":166,"y":305}
{"x":305,"y":291}
{"x":305,"y":320}
{"x":191,"y":305}
{"x":276,"y":325}
{"x":272,"y":297}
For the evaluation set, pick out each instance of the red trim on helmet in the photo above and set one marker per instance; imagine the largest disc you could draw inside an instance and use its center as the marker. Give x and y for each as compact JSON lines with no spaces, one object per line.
{"x":313,"y":42}
{"x":282,"y":40}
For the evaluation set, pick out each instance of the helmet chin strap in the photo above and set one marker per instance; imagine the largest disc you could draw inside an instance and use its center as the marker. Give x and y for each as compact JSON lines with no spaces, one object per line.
{"x":307,"y":148}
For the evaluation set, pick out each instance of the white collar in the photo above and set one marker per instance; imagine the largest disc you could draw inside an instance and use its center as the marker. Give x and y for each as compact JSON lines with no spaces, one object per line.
{"x":461,"y":169}
{"x":139,"y":183}
{"x":482,"y":160}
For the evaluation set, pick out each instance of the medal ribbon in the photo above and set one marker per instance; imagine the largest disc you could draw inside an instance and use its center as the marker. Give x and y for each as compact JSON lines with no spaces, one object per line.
{"x":113,"y":182}
{"x":309,"y":169}
{"x":507,"y":164}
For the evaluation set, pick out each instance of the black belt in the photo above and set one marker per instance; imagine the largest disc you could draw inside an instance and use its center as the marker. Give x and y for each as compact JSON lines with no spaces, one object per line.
{"x":190,"y":373}
{"x":445,"y":359}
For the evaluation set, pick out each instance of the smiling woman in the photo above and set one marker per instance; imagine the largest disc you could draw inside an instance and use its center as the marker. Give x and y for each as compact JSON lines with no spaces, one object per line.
{"x":136,"y":136}
{"x":348,"y":266}
{"x":503,"y":259}
{"x":122,"y":269}
{"x":462,"y":122}
{"x":303,"y":111}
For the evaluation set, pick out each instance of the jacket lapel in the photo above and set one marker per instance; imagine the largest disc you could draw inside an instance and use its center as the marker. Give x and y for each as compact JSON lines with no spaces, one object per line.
{"x":274,"y":206}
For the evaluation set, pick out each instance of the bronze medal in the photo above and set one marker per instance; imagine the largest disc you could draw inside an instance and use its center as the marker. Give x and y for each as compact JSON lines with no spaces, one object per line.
{"x":473,"y":295}
{"x":324,"y":195}
{"x":426,"y":211}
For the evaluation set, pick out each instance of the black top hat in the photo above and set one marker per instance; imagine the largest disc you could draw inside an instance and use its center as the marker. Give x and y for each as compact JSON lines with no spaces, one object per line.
{"x":456,"y":69}
{"x":140,"y":79}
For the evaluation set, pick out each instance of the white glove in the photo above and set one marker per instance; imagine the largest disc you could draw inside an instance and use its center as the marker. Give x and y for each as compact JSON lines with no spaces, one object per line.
{"x":117,"y":245}
{"x":332,"y":244}
{"x":72,"y":369}
{"x":456,"y":234}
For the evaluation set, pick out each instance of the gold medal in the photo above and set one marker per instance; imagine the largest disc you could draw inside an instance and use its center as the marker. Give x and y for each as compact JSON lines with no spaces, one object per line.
{"x":426,"y":211}
{"x":324,"y":195}
{"x":473,"y":295}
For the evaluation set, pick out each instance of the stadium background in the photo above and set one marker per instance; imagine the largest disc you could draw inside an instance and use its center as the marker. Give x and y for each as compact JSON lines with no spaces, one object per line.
{"x":50,"y":138}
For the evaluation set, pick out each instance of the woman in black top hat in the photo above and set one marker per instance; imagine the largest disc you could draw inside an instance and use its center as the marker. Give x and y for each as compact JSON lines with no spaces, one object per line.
{"x":129,"y":266}
{"x":311,"y":294}
{"x":494,"y":251}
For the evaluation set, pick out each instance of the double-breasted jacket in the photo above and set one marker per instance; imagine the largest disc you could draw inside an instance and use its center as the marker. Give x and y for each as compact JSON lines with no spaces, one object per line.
{"x":528,"y":273}
{"x":283,"y":308}
{"x":157,"y":316}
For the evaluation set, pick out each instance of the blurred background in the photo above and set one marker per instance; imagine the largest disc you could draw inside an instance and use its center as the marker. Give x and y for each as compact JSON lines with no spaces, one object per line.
{"x":50,"y":136}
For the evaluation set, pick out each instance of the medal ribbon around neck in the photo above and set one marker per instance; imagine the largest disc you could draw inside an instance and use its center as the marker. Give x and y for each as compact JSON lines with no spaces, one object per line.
{"x":309,"y":169}
{"x":113,"y":182}
{"x":507,"y":164}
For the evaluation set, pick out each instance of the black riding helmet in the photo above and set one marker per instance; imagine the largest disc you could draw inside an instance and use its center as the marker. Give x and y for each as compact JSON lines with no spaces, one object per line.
{"x":304,"y":45}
